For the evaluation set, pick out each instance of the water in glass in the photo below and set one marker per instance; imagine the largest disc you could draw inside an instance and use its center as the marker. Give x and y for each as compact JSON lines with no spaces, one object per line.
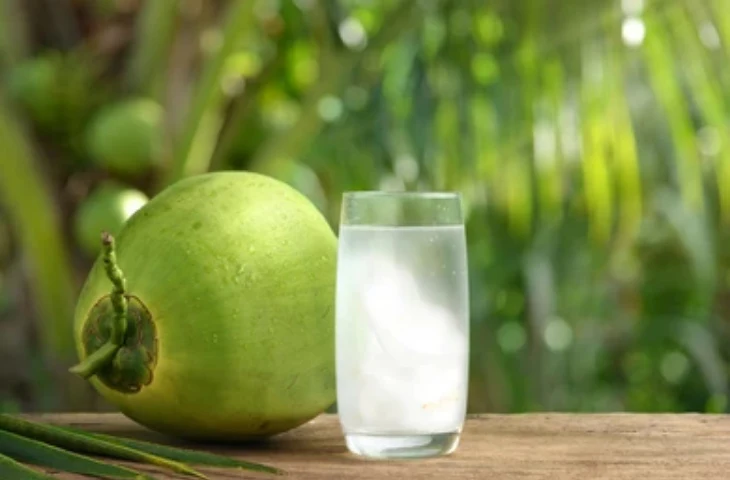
{"x":402,"y":338}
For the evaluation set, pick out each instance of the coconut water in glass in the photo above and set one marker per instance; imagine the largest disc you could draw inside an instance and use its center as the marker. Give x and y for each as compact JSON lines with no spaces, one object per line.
{"x":402,"y":323}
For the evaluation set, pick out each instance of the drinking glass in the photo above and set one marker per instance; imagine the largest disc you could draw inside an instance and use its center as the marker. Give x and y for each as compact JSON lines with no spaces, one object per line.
{"x":402,"y":323}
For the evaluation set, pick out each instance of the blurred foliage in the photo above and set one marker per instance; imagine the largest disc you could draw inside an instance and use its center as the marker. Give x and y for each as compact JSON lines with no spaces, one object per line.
{"x":588,"y":138}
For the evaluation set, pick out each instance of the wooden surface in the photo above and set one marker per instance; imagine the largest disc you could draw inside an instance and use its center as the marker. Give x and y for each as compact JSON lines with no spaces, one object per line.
{"x":499,"y":447}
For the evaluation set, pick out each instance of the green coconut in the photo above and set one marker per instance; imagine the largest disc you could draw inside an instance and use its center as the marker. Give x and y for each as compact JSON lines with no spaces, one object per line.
{"x":33,"y":84}
{"x":124,"y":137}
{"x":57,"y":91}
{"x":105,"y":210}
{"x":211,"y":315}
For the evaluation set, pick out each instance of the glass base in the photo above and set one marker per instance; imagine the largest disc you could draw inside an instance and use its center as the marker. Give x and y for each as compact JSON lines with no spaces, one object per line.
{"x":402,"y":446}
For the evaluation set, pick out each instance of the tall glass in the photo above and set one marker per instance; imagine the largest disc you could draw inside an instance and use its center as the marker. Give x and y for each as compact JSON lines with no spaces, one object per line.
{"x":402,"y":323}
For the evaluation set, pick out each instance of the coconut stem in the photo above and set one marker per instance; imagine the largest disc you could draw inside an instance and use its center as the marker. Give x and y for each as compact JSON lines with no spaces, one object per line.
{"x":118,"y":296}
{"x":100,"y":358}
{"x":96,"y":361}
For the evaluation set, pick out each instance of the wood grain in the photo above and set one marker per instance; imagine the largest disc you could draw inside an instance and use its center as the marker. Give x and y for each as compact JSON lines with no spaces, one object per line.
{"x":504,"y":447}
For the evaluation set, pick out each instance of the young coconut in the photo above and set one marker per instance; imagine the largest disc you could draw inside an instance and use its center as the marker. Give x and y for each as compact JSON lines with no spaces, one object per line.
{"x":123,"y":137}
{"x":211,"y":316}
{"x":106,"y":209}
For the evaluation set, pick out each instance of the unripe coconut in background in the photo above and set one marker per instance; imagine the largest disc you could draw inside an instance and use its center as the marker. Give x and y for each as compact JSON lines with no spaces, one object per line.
{"x":58,"y":91}
{"x":220,"y":325}
{"x":105,"y":210}
{"x":33,"y":84}
{"x":124,"y":137}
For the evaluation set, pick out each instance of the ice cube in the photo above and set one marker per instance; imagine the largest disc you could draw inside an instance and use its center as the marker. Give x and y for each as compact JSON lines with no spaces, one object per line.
{"x":411,"y":351}
{"x":410,"y":328}
{"x":420,"y":397}
{"x":384,"y":401}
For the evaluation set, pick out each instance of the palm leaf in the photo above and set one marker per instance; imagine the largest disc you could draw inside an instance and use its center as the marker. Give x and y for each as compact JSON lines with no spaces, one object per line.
{"x":625,"y":151}
{"x":80,"y":443}
{"x":547,"y":153}
{"x":203,"y":120}
{"x":12,"y":470}
{"x":707,"y":91}
{"x":597,"y":175}
{"x":32,"y":451}
{"x":29,"y":205}
{"x":179,"y":454}
{"x":668,"y":90}
{"x":155,"y":33}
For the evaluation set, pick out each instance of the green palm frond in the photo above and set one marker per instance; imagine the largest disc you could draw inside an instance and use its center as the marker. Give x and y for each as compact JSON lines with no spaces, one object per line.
{"x":65,"y":449}
{"x":192,"y":457}
{"x":38,"y":453}
{"x":12,"y":470}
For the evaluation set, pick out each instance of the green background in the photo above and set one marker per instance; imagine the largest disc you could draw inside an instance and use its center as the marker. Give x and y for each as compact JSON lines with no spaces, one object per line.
{"x":587,"y":137}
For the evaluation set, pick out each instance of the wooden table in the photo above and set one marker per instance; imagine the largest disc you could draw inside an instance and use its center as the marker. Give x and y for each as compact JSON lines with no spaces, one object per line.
{"x":499,"y":447}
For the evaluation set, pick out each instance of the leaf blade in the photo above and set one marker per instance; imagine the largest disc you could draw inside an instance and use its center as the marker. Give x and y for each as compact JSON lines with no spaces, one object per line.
{"x":38,"y":453}
{"x":12,"y":470}
{"x":181,"y":454}
{"x":79,"y":443}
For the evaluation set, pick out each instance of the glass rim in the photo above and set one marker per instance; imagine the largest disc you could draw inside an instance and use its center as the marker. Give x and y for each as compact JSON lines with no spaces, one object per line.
{"x":433,"y":195}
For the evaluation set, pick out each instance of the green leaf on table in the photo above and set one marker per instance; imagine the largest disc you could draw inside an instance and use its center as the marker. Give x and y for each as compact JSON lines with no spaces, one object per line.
{"x":12,"y":470}
{"x":37,"y":453}
{"x":83,"y":444}
{"x":180,"y":454}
